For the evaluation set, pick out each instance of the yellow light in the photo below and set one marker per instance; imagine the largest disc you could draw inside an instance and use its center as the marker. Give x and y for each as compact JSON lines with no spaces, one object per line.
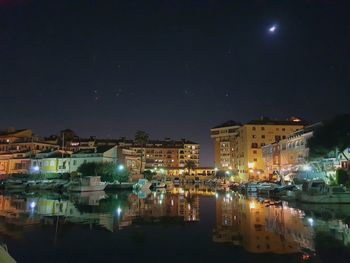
{"x":252,"y":204}
{"x":251,"y":165}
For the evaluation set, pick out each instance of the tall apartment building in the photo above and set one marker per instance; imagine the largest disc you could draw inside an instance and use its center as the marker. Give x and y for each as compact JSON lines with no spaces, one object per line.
{"x":254,"y":135}
{"x":224,"y":136}
{"x":168,"y":153}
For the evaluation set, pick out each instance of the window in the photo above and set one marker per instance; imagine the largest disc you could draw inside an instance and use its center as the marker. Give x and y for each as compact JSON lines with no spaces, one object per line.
{"x":254,"y":145}
{"x":262,"y":136}
{"x":263,"y":128}
{"x":254,"y":136}
{"x":254,"y":152}
{"x":255,"y":159}
{"x":283,"y":129}
{"x":262,"y":144}
{"x":277,"y":138}
{"x":253,"y":128}
{"x":75,"y":162}
{"x":18,"y":166}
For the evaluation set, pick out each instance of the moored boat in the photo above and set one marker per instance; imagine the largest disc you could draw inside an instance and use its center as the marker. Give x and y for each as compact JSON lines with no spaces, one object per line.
{"x":157,"y":184}
{"x":87,"y":184}
{"x":15,"y":184}
{"x":265,"y":188}
{"x":142,"y":185}
{"x":319,"y":192}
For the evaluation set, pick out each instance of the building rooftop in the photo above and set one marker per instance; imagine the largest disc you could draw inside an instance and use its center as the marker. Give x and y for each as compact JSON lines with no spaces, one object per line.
{"x":166,"y":143}
{"x":11,"y":131}
{"x":227,"y":124}
{"x":98,"y":149}
{"x":268,"y":121}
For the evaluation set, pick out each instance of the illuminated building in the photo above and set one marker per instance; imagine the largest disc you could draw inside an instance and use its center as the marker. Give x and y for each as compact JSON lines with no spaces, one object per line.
{"x":12,"y":140}
{"x":223,"y":136}
{"x":254,"y":135}
{"x":272,"y":158}
{"x":130,"y":159}
{"x":168,"y":153}
{"x":14,"y":163}
{"x":50,"y":163}
{"x":99,"y":154}
{"x":290,"y":154}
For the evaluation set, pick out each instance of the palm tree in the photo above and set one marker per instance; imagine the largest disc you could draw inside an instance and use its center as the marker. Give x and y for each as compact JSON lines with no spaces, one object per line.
{"x":141,"y":139}
{"x":190,"y":165}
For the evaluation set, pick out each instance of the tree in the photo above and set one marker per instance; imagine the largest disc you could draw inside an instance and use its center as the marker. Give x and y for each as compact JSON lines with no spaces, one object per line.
{"x":343,"y":177}
{"x":141,"y":139}
{"x":88,"y":169}
{"x":108,"y":171}
{"x":331,"y":138}
{"x":190,"y":165}
{"x":148,"y":174}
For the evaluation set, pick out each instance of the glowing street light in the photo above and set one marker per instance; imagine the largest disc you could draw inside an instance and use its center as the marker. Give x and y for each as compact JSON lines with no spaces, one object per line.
{"x":32,"y":205}
{"x":252,"y":205}
{"x":121,"y":167}
{"x":119,"y":211}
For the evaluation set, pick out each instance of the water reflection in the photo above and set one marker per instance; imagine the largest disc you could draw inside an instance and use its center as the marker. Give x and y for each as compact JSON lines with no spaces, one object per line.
{"x":264,"y":226}
{"x":111,"y":211}
{"x":258,"y":226}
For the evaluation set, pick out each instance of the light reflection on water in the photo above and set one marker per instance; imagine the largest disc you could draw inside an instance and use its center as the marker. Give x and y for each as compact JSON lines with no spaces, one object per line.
{"x":215,"y":220}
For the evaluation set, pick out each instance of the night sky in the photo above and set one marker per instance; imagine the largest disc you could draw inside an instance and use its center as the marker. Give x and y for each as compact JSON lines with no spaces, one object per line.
{"x":173,"y":68}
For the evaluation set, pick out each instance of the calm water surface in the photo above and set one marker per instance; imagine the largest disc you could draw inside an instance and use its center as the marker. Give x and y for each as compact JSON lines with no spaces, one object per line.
{"x":185,"y":225}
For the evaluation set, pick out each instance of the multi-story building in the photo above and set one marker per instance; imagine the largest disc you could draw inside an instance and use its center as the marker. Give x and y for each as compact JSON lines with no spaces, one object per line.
{"x":168,"y":153}
{"x":14,"y":163}
{"x":12,"y":140}
{"x":165,"y":153}
{"x":290,"y":154}
{"x":98,"y":154}
{"x":224,"y":136}
{"x":50,"y":163}
{"x":272,"y":158}
{"x":254,"y":135}
{"x":130,"y":159}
